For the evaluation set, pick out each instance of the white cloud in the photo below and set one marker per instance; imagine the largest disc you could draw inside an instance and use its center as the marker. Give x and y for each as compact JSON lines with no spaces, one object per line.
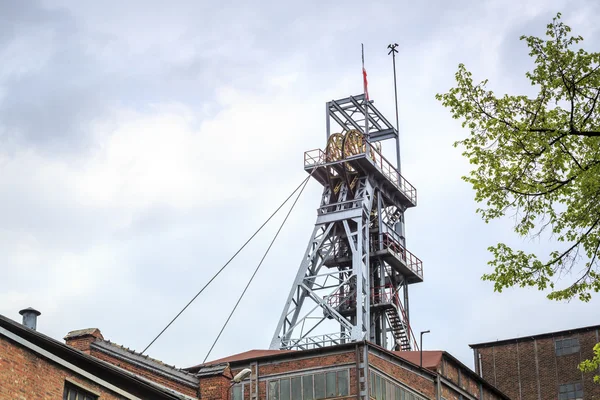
{"x":185,"y":163}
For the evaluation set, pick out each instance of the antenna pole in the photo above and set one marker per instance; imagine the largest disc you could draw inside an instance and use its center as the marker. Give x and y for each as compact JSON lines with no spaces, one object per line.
{"x":366,"y":93}
{"x":393,"y":52}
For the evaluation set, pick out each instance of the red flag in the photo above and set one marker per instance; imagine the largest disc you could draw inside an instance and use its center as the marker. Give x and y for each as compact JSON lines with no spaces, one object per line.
{"x":365,"y":84}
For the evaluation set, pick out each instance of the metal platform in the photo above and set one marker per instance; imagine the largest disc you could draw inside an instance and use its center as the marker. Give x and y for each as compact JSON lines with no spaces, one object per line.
{"x":400,"y":259}
{"x":394,"y":185}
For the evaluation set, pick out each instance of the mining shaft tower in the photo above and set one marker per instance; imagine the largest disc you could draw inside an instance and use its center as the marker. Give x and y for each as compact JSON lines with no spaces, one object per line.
{"x":352,"y":284}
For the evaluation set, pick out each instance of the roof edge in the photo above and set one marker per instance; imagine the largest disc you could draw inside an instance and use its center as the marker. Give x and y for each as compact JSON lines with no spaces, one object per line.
{"x":533,"y":337}
{"x":180,"y":376}
{"x":475,"y":375}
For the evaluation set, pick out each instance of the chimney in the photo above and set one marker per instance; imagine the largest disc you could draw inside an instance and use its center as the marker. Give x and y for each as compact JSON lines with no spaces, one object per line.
{"x":82,"y":339}
{"x":30,"y":317}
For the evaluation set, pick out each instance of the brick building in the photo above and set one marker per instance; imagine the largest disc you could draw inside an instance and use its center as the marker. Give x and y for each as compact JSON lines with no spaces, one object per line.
{"x":35,"y":366}
{"x":331,"y":372}
{"x":542,"y":366}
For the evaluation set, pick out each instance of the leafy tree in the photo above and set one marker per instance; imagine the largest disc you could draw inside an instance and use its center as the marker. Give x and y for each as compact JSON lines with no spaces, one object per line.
{"x":593,"y":364}
{"x":539,"y":157}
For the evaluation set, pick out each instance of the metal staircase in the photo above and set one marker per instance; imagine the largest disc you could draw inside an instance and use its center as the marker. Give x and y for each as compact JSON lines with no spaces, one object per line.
{"x":398,"y":329}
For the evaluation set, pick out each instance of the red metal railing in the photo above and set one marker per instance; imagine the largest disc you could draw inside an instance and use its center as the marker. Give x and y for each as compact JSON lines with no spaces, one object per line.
{"x":392,"y":244}
{"x":382,"y":295}
{"x":379,"y":295}
{"x":342,"y":300}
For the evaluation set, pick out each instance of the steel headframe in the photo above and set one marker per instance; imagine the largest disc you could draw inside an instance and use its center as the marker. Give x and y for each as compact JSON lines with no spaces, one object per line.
{"x":356,"y":265}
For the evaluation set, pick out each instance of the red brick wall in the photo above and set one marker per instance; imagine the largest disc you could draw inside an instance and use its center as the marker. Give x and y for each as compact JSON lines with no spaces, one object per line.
{"x":81,"y":343}
{"x":25,"y":375}
{"x":530,"y":370}
{"x":215,"y":388}
{"x":269,"y":368}
{"x":409,"y":378}
{"x":185,"y":389}
{"x":449,"y":394}
{"x":450,"y":370}
{"x":489,"y":395}
{"x":283,"y":366}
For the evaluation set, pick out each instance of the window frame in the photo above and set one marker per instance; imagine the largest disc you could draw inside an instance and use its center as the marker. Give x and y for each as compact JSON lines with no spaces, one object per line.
{"x":312,"y":379}
{"x":80,"y":390}
{"x":566,"y":346}
{"x":380,"y":392}
{"x":577,"y":388}
{"x":242,"y":386}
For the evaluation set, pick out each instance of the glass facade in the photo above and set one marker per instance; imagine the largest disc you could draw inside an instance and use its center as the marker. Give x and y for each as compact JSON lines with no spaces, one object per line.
{"x":317,"y":386}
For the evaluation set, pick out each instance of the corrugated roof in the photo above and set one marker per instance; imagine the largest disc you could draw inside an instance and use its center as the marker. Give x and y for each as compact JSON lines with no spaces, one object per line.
{"x":431,"y":358}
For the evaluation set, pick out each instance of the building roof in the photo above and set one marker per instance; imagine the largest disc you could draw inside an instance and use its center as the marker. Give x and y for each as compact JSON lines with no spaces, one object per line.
{"x":84,"y":332}
{"x":104,"y":371}
{"x":244,"y":356}
{"x":431,"y":358}
{"x":534,"y":337}
{"x":149,"y":363}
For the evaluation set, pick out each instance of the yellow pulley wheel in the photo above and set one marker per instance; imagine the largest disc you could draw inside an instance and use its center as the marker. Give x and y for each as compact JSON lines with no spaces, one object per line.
{"x":333,"y":151}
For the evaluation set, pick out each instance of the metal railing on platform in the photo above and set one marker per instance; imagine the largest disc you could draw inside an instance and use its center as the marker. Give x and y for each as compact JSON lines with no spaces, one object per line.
{"x":392,"y":243}
{"x":316,"y":157}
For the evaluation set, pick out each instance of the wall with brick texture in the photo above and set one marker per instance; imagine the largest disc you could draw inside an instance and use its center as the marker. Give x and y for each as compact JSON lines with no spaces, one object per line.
{"x":299,"y":366}
{"x":215,"y":388}
{"x":531,"y":370}
{"x":459,"y":376}
{"x":180,"y":387}
{"x":411,"y":379}
{"x":25,"y":375}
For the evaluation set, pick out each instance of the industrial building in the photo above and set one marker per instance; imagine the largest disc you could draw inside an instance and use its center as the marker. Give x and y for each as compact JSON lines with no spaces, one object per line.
{"x":88,"y":367}
{"x":542,"y":366}
{"x":35,"y":366}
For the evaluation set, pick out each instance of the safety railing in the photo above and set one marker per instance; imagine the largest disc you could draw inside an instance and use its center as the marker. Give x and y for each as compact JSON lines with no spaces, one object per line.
{"x":312,"y":342}
{"x":410,"y":333}
{"x":339,"y":206}
{"x":392,"y":243}
{"x":382,"y":295}
{"x":390,"y":172}
{"x":342,"y":301}
{"x":316,"y":157}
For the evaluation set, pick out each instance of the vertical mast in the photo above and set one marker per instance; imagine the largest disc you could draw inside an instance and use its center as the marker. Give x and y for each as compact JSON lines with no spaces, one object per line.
{"x":366,"y":93}
{"x":393,"y":52}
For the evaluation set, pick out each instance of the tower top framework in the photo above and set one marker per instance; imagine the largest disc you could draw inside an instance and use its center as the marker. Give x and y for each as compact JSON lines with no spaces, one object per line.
{"x":352,"y":283}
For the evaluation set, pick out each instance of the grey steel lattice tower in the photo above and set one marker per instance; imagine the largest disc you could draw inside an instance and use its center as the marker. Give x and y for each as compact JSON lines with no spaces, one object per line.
{"x":352,"y":284}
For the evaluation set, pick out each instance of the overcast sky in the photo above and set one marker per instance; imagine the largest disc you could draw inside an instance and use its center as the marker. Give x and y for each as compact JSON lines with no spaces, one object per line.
{"x":143,"y":142}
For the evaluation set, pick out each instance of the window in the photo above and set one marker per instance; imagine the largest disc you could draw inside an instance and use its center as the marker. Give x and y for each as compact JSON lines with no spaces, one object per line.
{"x":274,"y":390}
{"x":383,"y":389}
{"x":570,"y":391}
{"x":310,"y":387}
{"x":73,"y":392}
{"x":566,"y":346}
{"x":307,"y":387}
{"x":237,"y":392}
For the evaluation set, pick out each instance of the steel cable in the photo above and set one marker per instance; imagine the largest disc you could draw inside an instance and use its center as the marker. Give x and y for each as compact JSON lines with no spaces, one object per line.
{"x":256,"y":270}
{"x":302,"y":185}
